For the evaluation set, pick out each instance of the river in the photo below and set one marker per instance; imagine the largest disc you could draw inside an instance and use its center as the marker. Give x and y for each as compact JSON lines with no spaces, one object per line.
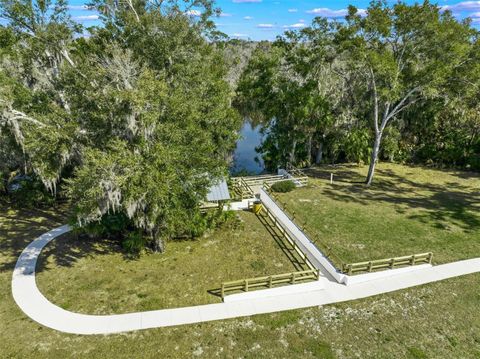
{"x":245,"y":157}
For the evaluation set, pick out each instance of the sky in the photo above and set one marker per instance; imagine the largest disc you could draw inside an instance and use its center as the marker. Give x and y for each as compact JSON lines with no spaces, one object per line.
{"x":265,"y":19}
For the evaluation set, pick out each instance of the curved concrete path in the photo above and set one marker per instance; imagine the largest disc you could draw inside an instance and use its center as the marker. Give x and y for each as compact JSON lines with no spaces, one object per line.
{"x":37,"y":307}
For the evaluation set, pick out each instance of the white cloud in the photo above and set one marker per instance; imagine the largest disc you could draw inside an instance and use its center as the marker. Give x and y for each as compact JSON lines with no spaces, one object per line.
{"x":239,"y":35}
{"x":463,"y":6}
{"x":301,"y":20}
{"x":248,"y":18}
{"x":265,"y":26}
{"x":245,"y":1}
{"x":298,"y":25}
{"x":80,"y":7}
{"x":330,"y":13}
{"x":475,"y":14}
{"x":193,"y":13}
{"x":85,"y":17}
{"x":292,"y":10}
{"x":476,"y":20}
{"x":225,"y":14}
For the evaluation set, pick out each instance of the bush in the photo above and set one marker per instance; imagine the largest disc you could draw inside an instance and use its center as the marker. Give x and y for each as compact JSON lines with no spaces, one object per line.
{"x":283,"y":186}
{"x":134,"y":242}
{"x":29,"y":192}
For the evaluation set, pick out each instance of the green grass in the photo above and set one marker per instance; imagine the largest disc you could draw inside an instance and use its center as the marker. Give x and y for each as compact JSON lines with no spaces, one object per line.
{"x":182,"y":276}
{"x":439,"y":320}
{"x":407,"y":210}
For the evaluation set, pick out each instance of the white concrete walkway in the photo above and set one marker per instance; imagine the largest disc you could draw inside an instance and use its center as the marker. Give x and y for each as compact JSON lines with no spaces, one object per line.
{"x":38,"y":308}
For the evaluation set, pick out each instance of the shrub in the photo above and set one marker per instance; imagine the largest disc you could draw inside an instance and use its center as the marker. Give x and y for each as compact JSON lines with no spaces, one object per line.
{"x":134,"y":242}
{"x":283,"y":186}
{"x":29,"y":192}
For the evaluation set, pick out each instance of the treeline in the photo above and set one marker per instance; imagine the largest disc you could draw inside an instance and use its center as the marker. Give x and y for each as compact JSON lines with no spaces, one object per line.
{"x":134,"y":119}
{"x":401,"y":83}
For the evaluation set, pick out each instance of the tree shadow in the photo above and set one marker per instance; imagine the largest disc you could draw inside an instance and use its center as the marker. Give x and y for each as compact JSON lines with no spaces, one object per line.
{"x":69,"y":248}
{"x":449,"y":202}
{"x":20,"y":226}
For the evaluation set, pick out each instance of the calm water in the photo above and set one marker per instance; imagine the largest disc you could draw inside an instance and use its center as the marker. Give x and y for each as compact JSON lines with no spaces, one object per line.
{"x":245,"y":156}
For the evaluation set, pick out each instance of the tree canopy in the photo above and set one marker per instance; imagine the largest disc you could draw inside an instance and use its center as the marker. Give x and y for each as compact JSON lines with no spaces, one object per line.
{"x":389,"y":76}
{"x":133,"y":120}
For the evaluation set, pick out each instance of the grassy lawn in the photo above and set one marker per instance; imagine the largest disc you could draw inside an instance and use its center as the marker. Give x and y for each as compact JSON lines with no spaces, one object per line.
{"x":440,"y":320}
{"x":182,"y":276}
{"x":407,"y":210}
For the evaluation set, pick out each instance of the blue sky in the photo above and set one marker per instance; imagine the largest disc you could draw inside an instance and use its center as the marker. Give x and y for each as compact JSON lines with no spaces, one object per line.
{"x":265,"y":19}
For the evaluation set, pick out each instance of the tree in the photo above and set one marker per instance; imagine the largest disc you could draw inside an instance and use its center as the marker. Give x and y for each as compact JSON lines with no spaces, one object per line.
{"x":135,"y":121}
{"x":289,"y":87}
{"x":404,"y":53}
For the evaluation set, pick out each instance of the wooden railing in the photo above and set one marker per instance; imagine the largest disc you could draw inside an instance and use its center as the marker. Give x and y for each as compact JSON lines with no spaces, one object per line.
{"x":334,"y":259}
{"x":297,"y":174}
{"x":289,"y":238}
{"x":271,"y":281}
{"x":337,"y":262}
{"x":242,"y":188}
{"x":388,"y":263}
{"x":260,"y":180}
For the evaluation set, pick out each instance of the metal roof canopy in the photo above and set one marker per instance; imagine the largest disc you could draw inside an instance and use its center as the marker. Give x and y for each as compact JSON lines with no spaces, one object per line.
{"x":218,"y":192}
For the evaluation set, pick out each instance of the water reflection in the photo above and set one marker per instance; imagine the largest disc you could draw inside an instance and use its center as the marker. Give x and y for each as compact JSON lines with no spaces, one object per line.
{"x":245,"y":158}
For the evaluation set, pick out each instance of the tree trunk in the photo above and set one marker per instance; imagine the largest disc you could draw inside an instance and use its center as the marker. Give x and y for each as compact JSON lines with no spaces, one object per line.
{"x":292,"y":153}
{"x":158,"y":242}
{"x":319,"y":154}
{"x":374,"y":158}
{"x":309,"y":150}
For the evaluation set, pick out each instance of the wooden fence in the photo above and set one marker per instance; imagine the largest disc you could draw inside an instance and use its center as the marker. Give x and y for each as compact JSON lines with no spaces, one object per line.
{"x":242,"y":188}
{"x":260,"y":180}
{"x":271,"y":281}
{"x":298,"y":175}
{"x":337,"y":262}
{"x":334,"y":259}
{"x":288,"y":237}
{"x":388,"y":263}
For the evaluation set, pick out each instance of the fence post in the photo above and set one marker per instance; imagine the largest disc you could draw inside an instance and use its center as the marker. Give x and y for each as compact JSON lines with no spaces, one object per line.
{"x":370,"y":266}
{"x":412,"y":260}
{"x":246,"y":285}
{"x":293,"y":278}
{"x":222,"y":291}
{"x":430,"y":257}
{"x":392,"y":263}
{"x":270,"y":282}
{"x":331,"y":178}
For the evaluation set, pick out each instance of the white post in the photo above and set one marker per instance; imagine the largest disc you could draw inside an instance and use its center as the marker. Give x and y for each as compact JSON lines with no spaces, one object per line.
{"x":331,"y":178}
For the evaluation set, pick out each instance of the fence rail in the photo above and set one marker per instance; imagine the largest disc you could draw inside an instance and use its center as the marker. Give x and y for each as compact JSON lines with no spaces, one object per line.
{"x":269,"y":281}
{"x":289,"y":238}
{"x":242,"y":188}
{"x":337,"y":262}
{"x":389,"y":263}
{"x":334,"y":259}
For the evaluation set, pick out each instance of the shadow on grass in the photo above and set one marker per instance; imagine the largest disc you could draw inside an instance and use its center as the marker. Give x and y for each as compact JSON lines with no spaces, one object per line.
{"x":67,"y":249}
{"x":20,"y":226}
{"x":450,"y":202}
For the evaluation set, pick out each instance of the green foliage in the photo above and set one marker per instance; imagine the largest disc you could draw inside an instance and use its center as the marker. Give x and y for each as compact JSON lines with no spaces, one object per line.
{"x":134,"y":242}
{"x":112,"y":226}
{"x":321,"y":92}
{"x":136,"y":118}
{"x":357,"y":145}
{"x":29,"y":192}
{"x":283,"y":186}
{"x":391,"y":144}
